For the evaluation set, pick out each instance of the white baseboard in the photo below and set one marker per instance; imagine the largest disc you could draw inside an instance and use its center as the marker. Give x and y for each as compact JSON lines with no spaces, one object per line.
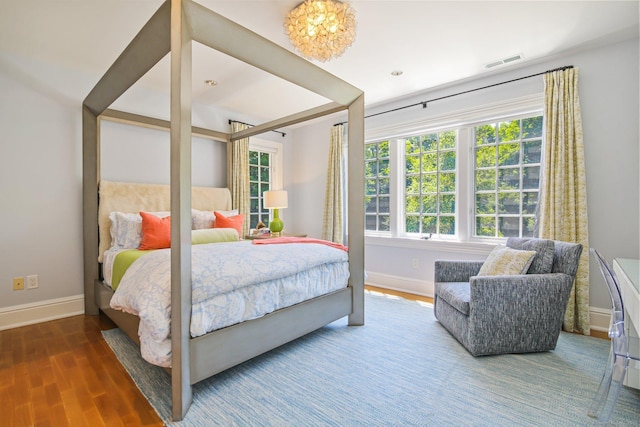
{"x":42,"y":311}
{"x":402,"y":284}
{"x":599,"y":318}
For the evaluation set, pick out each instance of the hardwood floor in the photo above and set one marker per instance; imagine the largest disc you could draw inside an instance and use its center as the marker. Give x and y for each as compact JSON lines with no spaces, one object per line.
{"x":62,"y":373}
{"x":404,"y":295}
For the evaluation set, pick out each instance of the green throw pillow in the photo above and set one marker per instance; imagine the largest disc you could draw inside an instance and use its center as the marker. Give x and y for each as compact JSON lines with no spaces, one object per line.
{"x":213,"y":235}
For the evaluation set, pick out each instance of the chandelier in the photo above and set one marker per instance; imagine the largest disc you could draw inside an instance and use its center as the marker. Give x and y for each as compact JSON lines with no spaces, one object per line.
{"x":321,"y":29}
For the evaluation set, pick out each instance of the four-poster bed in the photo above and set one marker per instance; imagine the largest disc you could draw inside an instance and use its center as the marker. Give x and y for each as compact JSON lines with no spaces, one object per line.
{"x":171,"y":30}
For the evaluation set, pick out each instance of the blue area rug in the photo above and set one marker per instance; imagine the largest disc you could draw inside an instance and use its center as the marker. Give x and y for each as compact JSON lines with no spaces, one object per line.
{"x":402,"y":368}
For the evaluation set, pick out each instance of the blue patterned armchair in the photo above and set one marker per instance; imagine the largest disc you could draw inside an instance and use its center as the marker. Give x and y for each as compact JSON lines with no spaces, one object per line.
{"x":508,"y":313}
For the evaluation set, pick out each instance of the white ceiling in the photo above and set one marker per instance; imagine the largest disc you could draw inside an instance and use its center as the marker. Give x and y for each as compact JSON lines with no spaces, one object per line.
{"x":432,"y":42}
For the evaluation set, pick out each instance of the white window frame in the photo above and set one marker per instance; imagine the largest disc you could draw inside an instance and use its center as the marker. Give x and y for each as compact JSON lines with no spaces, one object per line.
{"x":467,"y":119}
{"x":377,"y":178}
{"x":471,"y":180}
{"x":402,"y":189}
{"x":275,"y":149}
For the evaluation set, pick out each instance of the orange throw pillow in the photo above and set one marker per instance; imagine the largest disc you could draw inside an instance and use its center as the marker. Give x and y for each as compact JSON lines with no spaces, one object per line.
{"x":156,"y":232}
{"x":235,"y":221}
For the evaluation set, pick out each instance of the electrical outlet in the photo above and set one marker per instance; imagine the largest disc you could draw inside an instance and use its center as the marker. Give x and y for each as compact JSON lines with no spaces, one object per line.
{"x":32,"y":281}
{"x":415,"y":263}
{"x":18,"y":283}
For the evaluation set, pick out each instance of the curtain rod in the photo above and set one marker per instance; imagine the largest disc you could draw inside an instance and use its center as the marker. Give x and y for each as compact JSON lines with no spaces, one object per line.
{"x":248,"y":124}
{"x":424,"y":103}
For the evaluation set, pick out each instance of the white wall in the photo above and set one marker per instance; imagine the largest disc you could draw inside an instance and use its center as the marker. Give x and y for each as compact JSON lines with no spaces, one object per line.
{"x":609,"y":98}
{"x":137,"y":154}
{"x":40,"y":188}
{"x":306,"y":176}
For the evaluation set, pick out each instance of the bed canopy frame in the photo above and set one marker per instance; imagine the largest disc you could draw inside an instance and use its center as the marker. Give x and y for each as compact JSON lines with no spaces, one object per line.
{"x":171,"y":30}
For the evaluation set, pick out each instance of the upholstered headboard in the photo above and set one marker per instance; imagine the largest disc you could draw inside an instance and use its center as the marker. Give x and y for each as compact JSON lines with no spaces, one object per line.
{"x":134,"y":197}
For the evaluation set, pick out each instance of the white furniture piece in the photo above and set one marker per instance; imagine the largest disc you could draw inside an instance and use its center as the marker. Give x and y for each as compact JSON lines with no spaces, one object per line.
{"x":624,"y":349}
{"x":628,"y":273}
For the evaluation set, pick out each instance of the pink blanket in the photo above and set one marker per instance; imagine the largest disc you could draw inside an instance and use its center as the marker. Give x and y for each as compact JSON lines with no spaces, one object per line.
{"x":276,"y":240}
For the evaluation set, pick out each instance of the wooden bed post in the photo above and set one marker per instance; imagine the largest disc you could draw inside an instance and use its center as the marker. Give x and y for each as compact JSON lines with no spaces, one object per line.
{"x":355,"y":203}
{"x":91,"y":177}
{"x":180,"y":211}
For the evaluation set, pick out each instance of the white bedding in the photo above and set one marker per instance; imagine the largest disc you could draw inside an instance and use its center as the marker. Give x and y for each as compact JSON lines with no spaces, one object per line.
{"x":107,"y":266}
{"x":231,"y":283}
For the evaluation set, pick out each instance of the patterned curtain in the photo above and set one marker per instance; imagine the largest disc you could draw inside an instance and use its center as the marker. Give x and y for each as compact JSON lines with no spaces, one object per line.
{"x":332,"y":222}
{"x":562,"y":213}
{"x":238,"y":174}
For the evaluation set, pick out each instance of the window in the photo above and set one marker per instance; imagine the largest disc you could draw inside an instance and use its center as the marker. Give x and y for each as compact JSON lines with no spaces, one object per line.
{"x":475,"y":180}
{"x":265,"y":166}
{"x":507,"y":177}
{"x":259,"y":182}
{"x":377,"y":186}
{"x":430,"y":183}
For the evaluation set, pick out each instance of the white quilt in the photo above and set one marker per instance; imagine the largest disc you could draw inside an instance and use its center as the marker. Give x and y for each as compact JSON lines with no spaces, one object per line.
{"x":231,"y":282}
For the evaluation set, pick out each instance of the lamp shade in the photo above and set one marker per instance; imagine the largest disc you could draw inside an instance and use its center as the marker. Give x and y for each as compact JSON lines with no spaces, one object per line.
{"x":275,"y":199}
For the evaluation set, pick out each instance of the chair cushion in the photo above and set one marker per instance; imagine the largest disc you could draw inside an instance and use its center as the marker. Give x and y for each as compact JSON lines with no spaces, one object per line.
{"x":567,"y":258}
{"x":543,"y":261}
{"x":506,"y":261}
{"x":456,"y":294}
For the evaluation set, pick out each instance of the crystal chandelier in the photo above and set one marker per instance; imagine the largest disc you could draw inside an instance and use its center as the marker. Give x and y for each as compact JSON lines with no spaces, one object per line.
{"x":321,"y":29}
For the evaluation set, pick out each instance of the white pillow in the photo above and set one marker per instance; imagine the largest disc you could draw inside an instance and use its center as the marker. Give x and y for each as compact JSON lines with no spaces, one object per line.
{"x":126,"y":229}
{"x":506,"y":261}
{"x":206,"y":219}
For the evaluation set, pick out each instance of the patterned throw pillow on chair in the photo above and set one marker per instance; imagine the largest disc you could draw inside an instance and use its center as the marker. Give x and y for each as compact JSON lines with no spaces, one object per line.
{"x":506,"y":261}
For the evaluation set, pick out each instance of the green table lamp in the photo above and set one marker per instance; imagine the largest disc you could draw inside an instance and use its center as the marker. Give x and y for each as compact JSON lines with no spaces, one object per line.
{"x":275,"y":199}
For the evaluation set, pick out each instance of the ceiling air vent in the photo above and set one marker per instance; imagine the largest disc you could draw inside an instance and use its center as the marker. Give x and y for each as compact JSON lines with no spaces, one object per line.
{"x":504,"y":61}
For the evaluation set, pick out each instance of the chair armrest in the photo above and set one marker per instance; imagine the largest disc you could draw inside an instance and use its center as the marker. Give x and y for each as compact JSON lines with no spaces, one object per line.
{"x":517,"y":314}
{"x":456,"y":271}
{"x":525,"y":295}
